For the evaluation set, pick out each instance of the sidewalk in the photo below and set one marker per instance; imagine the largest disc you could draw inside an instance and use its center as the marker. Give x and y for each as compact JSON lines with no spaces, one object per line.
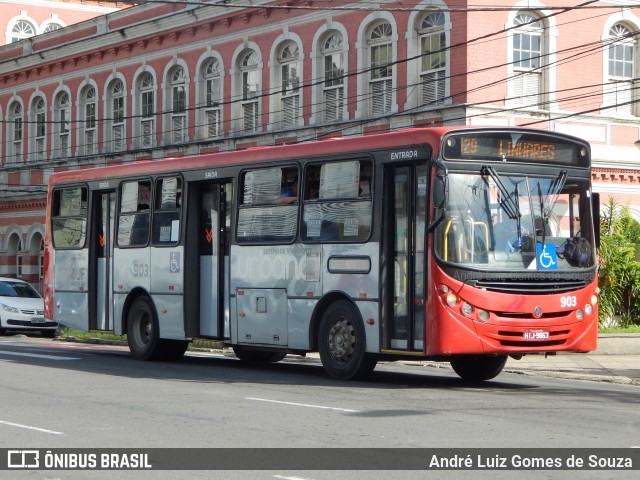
{"x":617,"y":360}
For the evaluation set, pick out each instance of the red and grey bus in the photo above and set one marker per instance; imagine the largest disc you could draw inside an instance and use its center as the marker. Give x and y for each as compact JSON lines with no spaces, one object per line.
{"x":457,"y":244}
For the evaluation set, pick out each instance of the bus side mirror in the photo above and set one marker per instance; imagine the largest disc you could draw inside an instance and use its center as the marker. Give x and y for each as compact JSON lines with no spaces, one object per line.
{"x":595,"y":208}
{"x":439,"y":189}
{"x":439,"y":195}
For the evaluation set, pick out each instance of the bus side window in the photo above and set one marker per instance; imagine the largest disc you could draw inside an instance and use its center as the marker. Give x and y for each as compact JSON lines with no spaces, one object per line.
{"x":69,"y":217}
{"x":166,"y":213}
{"x":262,"y":217}
{"x":342,"y":209}
{"x":133,"y":221}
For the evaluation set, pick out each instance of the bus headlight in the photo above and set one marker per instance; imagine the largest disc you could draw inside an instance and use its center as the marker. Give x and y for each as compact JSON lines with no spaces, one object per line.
{"x":594,"y":299}
{"x":579,"y":314}
{"x":467,"y":309}
{"x":588,"y":309}
{"x":452,"y":299}
{"x":483,"y":316}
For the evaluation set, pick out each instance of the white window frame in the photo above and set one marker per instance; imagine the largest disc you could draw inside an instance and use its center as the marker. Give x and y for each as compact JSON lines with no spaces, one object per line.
{"x":333,"y":85}
{"x":177,"y":105}
{"x":15,"y":133}
{"x":619,"y":87}
{"x":38,"y":130}
{"x":117,"y":111}
{"x":250,"y":92}
{"x":89,"y":113}
{"x":433,"y":62}
{"x":364,"y":93}
{"x":62,"y":118}
{"x":212,"y":94}
{"x":146,"y":110}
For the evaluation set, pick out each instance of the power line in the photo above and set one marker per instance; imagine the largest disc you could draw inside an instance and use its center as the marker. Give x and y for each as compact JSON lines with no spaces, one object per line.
{"x":357,"y":98}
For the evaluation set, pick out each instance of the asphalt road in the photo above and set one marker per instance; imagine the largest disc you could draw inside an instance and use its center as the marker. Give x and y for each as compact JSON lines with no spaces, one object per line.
{"x":63,"y":395}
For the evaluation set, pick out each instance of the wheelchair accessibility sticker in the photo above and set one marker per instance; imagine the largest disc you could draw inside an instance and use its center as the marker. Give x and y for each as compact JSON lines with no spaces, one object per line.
{"x":547,"y":256}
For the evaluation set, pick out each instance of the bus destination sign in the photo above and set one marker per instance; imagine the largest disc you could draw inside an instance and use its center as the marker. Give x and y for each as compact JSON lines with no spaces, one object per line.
{"x":510,"y":146}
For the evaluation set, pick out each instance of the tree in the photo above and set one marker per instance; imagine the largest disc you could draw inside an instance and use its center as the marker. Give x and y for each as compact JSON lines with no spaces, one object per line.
{"x":619,"y":272}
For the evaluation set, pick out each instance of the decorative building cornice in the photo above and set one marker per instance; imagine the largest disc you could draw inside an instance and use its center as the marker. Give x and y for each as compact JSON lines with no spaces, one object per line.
{"x":612,"y":175}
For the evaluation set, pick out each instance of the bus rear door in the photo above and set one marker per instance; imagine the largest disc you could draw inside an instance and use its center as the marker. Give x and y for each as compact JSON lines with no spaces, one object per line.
{"x":101,"y":260}
{"x":208,"y":238}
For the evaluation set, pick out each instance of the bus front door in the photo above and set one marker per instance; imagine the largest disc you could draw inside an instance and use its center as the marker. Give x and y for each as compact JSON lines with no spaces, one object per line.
{"x":101,"y":261}
{"x":404,"y":273}
{"x":213,"y":224}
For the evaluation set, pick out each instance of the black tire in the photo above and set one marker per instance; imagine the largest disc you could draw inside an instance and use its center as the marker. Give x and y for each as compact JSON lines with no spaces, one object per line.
{"x":477,"y":368}
{"x":48,"y":333}
{"x":142,"y":330}
{"x":342,"y":343}
{"x":172,"y":349}
{"x":250,"y":355}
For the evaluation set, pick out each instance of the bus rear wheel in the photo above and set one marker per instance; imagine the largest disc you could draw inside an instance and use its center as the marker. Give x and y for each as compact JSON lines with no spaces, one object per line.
{"x":250,"y":355}
{"x":143,"y":334}
{"x":476,"y":368}
{"x":142,"y":330}
{"x":342,"y":343}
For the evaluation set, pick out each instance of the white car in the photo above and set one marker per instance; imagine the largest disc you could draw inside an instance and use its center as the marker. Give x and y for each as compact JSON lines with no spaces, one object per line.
{"x":22,"y":308}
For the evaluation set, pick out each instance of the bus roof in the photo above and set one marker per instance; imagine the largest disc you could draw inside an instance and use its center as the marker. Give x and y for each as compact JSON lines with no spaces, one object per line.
{"x":332,"y":146}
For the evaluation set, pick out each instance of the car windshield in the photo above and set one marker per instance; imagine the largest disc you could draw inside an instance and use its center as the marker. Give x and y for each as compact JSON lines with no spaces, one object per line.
{"x":17,"y":290}
{"x":516,"y":222}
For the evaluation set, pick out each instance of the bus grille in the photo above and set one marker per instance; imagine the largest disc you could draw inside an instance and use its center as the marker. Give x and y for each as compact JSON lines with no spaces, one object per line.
{"x":531,"y":288}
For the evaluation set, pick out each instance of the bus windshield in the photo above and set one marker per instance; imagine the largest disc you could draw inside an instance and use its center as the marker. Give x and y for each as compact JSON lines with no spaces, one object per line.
{"x":516,"y":222}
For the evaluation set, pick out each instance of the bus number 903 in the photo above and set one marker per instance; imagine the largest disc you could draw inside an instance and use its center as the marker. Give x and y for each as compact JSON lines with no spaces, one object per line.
{"x":140,"y":270}
{"x":568,"y":301}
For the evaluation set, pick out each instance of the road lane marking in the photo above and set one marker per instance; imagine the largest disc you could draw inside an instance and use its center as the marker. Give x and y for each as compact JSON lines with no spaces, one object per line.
{"x":290,"y":478}
{"x":37,"y":355}
{"x":322,"y":407}
{"x":44,"y":430}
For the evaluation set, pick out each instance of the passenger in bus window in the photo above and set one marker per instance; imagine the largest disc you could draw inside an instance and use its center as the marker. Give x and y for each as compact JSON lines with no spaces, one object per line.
{"x":291,"y":194}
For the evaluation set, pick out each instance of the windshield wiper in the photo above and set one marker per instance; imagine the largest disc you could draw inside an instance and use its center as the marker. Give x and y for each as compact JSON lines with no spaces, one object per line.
{"x":507,"y":202}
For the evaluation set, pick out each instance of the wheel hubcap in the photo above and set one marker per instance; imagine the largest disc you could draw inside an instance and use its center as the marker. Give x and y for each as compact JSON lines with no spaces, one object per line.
{"x":341,"y":341}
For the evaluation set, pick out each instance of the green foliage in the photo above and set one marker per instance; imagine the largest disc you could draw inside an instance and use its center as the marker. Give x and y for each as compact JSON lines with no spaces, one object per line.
{"x":619,"y":274}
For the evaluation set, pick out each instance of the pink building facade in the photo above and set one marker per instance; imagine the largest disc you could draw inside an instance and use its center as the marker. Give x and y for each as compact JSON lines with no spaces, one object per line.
{"x":183,"y":78}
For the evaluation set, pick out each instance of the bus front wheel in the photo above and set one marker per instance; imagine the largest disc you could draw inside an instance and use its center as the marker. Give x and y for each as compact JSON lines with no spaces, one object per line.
{"x":476,"y":368}
{"x":142,"y":330}
{"x":342,"y":343}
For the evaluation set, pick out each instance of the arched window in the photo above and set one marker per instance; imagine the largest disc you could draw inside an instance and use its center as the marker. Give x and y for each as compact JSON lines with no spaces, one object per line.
{"x":178,"y":105}
{"x":433,"y":47}
{"x":88,"y":124}
{"x":381,"y":69}
{"x":22,"y":29}
{"x":146,"y":107}
{"x":249,"y":69}
{"x":38,"y":128}
{"x":618,"y":91}
{"x":212,"y":93}
{"x":62,"y":122}
{"x":52,"y":27}
{"x":15,"y":133}
{"x":528,"y":61}
{"x":116,"y":114}
{"x":289,"y":62}
{"x":333,"y":76}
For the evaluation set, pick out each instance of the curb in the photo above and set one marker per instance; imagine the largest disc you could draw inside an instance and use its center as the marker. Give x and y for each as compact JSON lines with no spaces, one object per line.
{"x":608,"y":343}
{"x":618,"y":344}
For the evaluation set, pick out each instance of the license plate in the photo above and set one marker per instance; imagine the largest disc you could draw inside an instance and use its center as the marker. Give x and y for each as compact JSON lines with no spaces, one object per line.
{"x":37,"y":319}
{"x":536,"y":334}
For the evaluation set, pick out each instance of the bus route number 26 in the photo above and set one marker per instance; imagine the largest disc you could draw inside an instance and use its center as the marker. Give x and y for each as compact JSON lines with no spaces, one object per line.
{"x":568,"y":301}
